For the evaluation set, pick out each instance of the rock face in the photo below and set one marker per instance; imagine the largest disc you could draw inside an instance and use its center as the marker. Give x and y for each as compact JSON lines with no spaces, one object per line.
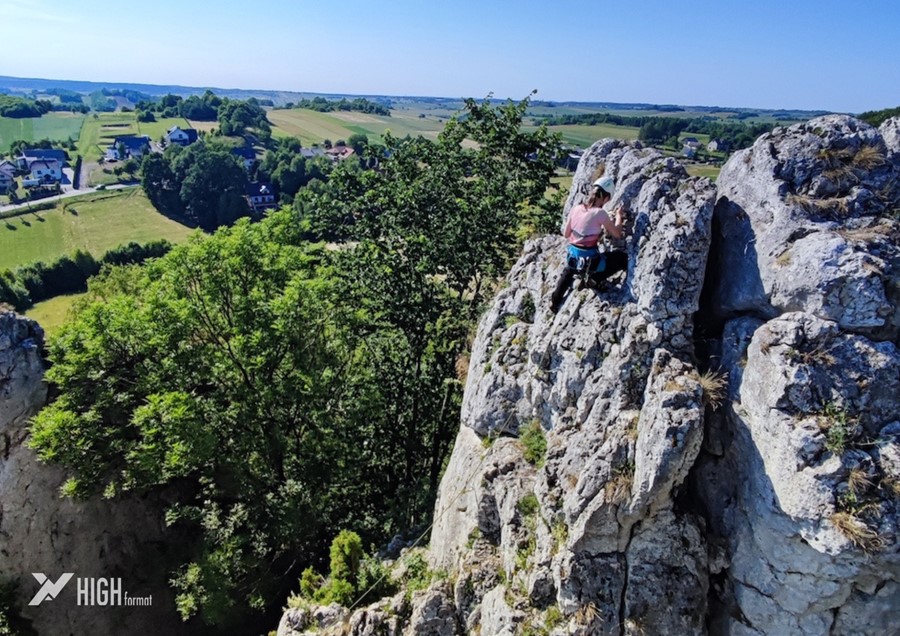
{"x":600,"y":484}
{"x":593,"y":528}
{"x":39,"y":532}
{"x":805,"y":493}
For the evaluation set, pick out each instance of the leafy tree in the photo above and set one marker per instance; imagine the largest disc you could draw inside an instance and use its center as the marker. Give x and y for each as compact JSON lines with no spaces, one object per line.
{"x":160,"y":185}
{"x":201,"y":108}
{"x":212,"y":184}
{"x":276,"y":389}
{"x":203,"y":182}
{"x":224,"y":372}
{"x":358,"y":142}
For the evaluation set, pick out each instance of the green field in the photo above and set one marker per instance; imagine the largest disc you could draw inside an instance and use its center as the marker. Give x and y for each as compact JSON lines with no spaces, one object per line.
{"x":312,"y":127}
{"x":95,"y":223}
{"x":55,"y":126}
{"x":99,"y":131}
{"x":51,"y":314}
{"x":584,"y":136}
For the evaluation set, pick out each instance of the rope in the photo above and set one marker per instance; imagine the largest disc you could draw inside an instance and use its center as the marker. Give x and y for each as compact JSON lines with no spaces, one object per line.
{"x":464,"y":489}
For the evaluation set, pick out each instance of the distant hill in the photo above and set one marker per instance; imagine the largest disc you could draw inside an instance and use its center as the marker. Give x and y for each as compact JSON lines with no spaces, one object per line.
{"x":29,"y":86}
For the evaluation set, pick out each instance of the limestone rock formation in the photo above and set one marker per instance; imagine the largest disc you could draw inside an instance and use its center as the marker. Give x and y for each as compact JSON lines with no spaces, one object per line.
{"x":601,"y":484}
{"x":804,"y":495}
{"x":594,"y":528}
{"x":40,"y":532}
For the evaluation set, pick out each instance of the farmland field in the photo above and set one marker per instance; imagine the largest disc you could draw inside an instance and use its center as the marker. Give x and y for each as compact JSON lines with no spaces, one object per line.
{"x":94,"y":223}
{"x":312,"y":127}
{"x":100,"y":129}
{"x":55,"y":126}
{"x":584,"y":136}
{"x":702,"y":170}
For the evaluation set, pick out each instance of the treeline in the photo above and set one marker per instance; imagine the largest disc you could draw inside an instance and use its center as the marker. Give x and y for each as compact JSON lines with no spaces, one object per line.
{"x":360,"y":104}
{"x":738,"y":135}
{"x":878,"y":117}
{"x":17,"y":107}
{"x":197,"y":107}
{"x":234,"y":115}
{"x":278,"y":390}
{"x":32,"y":283}
{"x":20,"y":144}
{"x":658,"y":130}
{"x":594,"y":119}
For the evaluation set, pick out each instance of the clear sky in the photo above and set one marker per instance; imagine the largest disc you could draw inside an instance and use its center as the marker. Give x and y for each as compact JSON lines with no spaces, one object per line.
{"x":809,"y":54}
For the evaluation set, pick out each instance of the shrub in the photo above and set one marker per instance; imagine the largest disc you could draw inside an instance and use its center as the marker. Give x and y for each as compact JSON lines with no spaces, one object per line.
{"x":528,"y":505}
{"x":346,"y":554}
{"x":535,"y":443}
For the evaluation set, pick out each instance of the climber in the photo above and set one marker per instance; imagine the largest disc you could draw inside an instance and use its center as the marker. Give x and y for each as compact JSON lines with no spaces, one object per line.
{"x":583,"y":227}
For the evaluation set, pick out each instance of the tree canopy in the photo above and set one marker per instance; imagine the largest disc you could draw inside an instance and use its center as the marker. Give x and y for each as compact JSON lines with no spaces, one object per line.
{"x":279,"y":390}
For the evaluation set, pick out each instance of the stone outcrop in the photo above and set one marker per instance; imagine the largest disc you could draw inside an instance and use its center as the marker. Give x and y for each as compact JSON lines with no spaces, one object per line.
{"x":611,"y":383}
{"x":601,"y":484}
{"x":41,"y":532}
{"x":804,"y":494}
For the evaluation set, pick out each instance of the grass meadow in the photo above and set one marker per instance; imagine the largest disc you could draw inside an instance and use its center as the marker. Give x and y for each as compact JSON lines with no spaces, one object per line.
{"x":99,"y":131}
{"x":94,"y":223}
{"x":55,"y":126}
{"x":52,"y":314}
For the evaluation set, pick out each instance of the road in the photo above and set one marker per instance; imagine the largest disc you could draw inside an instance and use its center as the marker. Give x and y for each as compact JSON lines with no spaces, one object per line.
{"x":66,"y":195}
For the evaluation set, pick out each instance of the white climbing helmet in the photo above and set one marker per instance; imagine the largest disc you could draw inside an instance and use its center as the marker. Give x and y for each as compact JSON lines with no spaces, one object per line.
{"x":606,"y":184}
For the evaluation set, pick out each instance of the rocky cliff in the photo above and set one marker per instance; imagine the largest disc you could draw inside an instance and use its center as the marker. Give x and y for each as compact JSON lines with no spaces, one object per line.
{"x":711,"y":443}
{"x":41,"y":532}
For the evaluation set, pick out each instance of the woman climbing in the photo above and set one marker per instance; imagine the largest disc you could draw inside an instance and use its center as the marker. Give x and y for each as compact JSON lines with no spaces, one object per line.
{"x":583,"y":227}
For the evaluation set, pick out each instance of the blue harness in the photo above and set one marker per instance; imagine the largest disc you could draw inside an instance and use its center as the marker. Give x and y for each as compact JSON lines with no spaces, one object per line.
{"x":581,"y":259}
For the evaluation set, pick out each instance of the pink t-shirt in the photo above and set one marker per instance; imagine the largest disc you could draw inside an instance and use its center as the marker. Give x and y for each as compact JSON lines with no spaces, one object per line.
{"x":584,"y":226}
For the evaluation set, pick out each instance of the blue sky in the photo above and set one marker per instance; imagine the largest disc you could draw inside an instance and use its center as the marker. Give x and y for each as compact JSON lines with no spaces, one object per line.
{"x":842,"y":56}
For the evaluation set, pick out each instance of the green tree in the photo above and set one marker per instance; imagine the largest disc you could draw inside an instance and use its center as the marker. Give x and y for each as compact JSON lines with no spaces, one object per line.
{"x":277,"y":390}
{"x":358,"y":142}
{"x":209,"y":180}
{"x":222,"y":368}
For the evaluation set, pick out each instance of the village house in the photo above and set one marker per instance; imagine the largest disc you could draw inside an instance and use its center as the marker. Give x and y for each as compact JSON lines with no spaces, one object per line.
{"x":690,"y":147}
{"x":247,"y":155}
{"x":339,"y":153}
{"x":312,"y":153}
{"x":7,"y":176}
{"x":128,"y":146}
{"x":30,"y":155}
{"x":718,"y":145}
{"x":181,"y":136}
{"x":46,"y":171}
{"x":260,"y":196}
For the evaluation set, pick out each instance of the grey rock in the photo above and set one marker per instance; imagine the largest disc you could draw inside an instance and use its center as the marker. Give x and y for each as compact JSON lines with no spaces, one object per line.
{"x":890,"y":132}
{"x":41,"y":532}
{"x":807,"y":404}
{"x":610,"y":382}
{"x":804,"y":224}
{"x":433,"y":614}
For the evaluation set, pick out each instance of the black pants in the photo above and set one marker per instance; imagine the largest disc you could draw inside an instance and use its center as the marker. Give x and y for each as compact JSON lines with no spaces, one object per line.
{"x":615,"y":263}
